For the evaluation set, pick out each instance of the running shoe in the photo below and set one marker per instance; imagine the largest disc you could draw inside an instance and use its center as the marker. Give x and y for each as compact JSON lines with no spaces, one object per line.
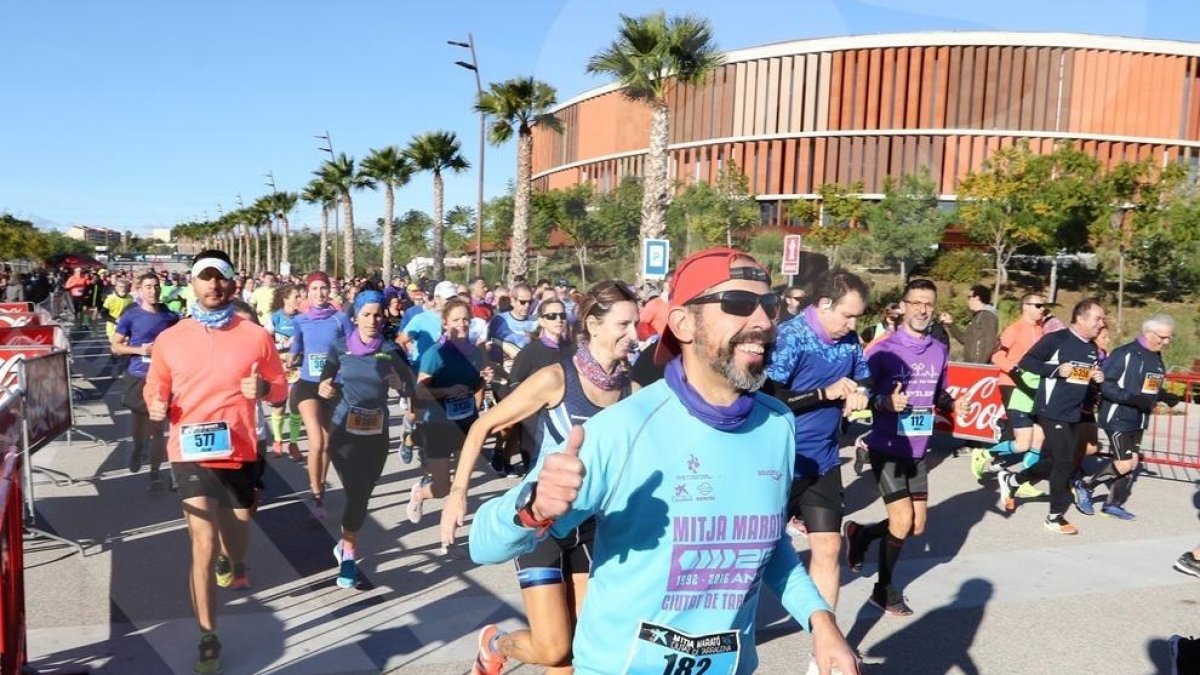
{"x":489,"y":660}
{"x":209,"y":662}
{"x":135,"y":459}
{"x":277,"y":449}
{"x":1118,"y":512}
{"x":1060,"y":526}
{"x":1029,"y":491}
{"x":856,"y":547}
{"x":415,"y":497}
{"x":406,"y":450}
{"x":241,"y":577}
{"x":795,"y":528}
{"x":980,"y":458}
{"x":223,"y":570}
{"x":1007,"y":499}
{"x":337,"y":553}
{"x":860,"y":459}
{"x":294,"y":452}
{"x":1188,"y":564}
{"x":500,"y":464}
{"x":1185,"y":655}
{"x":1083,"y":498}
{"x":889,"y":599}
{"x":317,"y":506}
{"x":347,"y":574}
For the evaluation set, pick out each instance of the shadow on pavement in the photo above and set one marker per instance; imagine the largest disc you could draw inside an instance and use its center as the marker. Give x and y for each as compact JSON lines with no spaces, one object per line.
{"x":910,"y":649}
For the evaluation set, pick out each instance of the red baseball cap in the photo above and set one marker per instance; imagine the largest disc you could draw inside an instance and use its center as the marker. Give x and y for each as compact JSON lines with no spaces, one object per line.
{"x":695,"y":275}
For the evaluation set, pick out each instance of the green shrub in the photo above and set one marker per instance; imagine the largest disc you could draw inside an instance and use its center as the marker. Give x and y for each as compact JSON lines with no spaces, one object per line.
{"x":964,"y":266}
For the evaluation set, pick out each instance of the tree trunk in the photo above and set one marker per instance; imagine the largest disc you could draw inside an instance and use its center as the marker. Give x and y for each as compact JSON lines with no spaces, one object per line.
{"x":439,"y":229}
{"x":520,"y":226}
{"x":348,"y":234}
{"x":257,"y":249}
{"x":270,"y":245}
{"x":323,"y":254}
{"x":285,"y":247}
{"x":1120,"y":288}
{"x":903,"y":273}
{"x":581,"y":253}
{"x":389,"y":207}
{"x":246,"y":264}
{"x":656,"y":184}
{"x":1053,"y":295}
{"x":1001,"y":273}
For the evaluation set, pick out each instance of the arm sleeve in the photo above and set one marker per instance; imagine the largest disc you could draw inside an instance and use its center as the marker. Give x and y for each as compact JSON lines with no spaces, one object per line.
{"x":861,"y":372}
{"x":956,"y":332}
{"x":795,"y":589}
{"x":332,"y":364}
{"x":796,"y":401}
{"x":498,"y":328}
{"x":1036,"y":360}
{"x":123,"y":326}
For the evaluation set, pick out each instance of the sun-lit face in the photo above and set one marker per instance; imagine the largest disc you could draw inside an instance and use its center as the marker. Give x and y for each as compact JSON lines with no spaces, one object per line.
{"x":552,"y":317}
{"x":147,"y":291}
{"x":736,"y":347}
{"x":1158,"y":338}
{"x":457,"y":322}
{"x":318,"y":293}
{"x":616,"y":331}
{"x":918,"y":306}
{"x":1089,"y":325}
{"x":211,"y":289}
{"x":291,"y":301}
{"x":368,"y":319}
{"x":839,"y":318}
{"x":1033,"y":309}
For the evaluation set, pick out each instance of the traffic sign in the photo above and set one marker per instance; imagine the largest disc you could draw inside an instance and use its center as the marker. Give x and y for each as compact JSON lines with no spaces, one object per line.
{"x":656,"y":258}
{"x":791,"y":254}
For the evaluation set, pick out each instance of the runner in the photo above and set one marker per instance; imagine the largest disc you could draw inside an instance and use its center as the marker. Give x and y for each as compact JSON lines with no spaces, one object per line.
{"x":512,"y":328}
{"x":559,"y":396}
{"x":450,"y":386}
{"x":1132,"y":387}
{"x":134,"y":337}
{"x":681,"y":471}
{"x":1067,"y":363}
{"x":212,"y":446}
{"x":358,"y":373}
{"x":314,"y":332}
{"x":553,"y":338}
{"x":908,"y":372}
{"x":263,"y":298}
{"x":285,"y":306}
{"x":818,"y":371}
{"x":115,"y":304}
{"x":425,"y":328}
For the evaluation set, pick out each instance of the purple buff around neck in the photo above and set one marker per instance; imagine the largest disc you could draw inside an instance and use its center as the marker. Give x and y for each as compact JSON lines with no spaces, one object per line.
{"x":723,"y":418}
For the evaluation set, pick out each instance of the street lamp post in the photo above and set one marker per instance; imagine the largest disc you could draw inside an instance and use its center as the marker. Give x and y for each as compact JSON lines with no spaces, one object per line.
{"x":337,"y":233}
{"x":473,"y":66}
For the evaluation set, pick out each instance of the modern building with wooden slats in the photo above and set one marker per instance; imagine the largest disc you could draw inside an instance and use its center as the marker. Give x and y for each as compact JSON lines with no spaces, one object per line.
{"x":797,"y":115}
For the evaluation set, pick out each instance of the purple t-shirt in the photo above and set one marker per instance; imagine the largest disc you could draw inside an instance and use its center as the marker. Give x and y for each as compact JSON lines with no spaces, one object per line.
{"x":919,"y":365}
{"x":142,"y":327}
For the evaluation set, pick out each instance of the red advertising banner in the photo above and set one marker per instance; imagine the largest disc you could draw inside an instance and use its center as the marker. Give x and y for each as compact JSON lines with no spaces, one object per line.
{"x":33,"y":336}
{"x":47,"y":398}
{"x":10,"y":307}
{"x":10,"y":361}
{"x":980,"y":384}
{"x":17,"y":319}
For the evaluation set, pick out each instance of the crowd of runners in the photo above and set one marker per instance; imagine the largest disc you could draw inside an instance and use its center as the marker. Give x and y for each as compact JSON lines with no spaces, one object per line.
{"x":670,"y":440}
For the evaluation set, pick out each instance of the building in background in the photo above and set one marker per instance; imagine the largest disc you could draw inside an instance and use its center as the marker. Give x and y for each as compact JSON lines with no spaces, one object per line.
{"x":96,"y":236}
{"x":797,"y":115}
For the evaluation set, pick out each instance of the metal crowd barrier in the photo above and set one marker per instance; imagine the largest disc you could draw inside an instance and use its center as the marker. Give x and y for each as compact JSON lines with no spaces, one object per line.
{"x":1174,"y":434}
{"x":12,"y":566}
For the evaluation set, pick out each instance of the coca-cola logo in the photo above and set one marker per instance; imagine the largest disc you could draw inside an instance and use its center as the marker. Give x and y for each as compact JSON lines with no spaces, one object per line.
{"x":980,"y":415}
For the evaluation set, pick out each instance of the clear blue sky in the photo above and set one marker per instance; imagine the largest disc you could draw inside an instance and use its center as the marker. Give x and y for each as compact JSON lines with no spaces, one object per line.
{"x":139,"y":114}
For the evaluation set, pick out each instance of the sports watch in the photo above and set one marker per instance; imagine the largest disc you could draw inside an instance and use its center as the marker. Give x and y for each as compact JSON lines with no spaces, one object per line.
{"x":524,"y":516}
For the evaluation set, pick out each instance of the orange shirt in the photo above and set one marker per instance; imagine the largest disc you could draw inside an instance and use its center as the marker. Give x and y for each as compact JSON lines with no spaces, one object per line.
{"x":1015,"y":341}
{"x":199,"y":371}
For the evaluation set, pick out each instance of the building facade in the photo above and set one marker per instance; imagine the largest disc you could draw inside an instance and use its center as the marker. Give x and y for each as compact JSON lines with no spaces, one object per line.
{"x":96,"y":236}
{"x":797,"y":115}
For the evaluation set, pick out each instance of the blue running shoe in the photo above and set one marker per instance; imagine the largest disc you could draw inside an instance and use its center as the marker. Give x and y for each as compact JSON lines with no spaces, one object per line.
{"x":1083,"y":499}
{"x":1114,"y":511}
{"x":347,"y":574}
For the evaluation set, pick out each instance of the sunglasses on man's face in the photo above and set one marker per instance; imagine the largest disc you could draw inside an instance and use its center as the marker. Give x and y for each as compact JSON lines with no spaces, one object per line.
{"x":1039,"y":305}
{"x":520,"y":301}
{"x":740,"y":303}
{"x":554,"y":316}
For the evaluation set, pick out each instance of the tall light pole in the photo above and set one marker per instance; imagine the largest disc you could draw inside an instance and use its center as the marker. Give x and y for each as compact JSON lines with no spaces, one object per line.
{"x":473,"y":66}
{"x":337,"y":230}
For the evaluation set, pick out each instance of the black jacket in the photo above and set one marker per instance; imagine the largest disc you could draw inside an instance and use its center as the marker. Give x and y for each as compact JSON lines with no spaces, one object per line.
{"x":1133,"y":384}
{"x":1060,"y":399}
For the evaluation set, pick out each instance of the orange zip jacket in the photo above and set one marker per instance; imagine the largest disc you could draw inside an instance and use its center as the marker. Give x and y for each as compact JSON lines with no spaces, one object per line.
{"x":1015,"y":341}
{"x":200,"y":370}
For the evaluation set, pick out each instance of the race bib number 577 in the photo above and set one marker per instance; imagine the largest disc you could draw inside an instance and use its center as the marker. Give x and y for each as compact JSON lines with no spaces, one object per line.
{"x":662,"y":650}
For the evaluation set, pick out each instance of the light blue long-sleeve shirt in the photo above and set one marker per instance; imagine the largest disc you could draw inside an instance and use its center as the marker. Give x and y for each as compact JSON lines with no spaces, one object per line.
{"x":690,"y":522}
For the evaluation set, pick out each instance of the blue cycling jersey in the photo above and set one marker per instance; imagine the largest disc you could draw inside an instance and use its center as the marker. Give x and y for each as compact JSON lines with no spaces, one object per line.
{"x":804,"y":359}
{"x":689,"y":523}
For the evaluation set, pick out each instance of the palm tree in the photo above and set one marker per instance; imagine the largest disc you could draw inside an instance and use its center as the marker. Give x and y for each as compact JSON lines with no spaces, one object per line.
{"x":390,"y":167}
{"x":282,"y":204}
{"x":518,"y":104}
{"x":262,"y":211}
{"x":341,"y":174}
{"x":435,"y":152}
{"x":650,"y":57}
{"x":322,"y":194}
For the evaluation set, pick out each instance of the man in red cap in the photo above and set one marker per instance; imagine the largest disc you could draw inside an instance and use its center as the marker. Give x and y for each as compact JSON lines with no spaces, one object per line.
{"x":688,"y":480}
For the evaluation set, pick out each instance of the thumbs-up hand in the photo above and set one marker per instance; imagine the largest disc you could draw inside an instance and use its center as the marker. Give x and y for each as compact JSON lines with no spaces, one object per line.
{"x":157,"y":409}
{"x":250,"y":383}
{"x":962,"y":406}
{"x":897,"y":401}
{"x":561,"y":477}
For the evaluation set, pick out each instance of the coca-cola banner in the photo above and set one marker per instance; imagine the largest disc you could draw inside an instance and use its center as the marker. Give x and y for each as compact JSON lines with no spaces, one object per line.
{"x":47,"y":398}
{"x":980,"y":384}
{"x":15,"y":307}
{"x":33,"y":336}
{"x":20,"y":319}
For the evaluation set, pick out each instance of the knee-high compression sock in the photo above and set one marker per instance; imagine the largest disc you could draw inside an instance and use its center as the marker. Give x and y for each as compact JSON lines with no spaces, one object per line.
{"x":1002,"y":448}
{"x":1032,"y":456}
{"x":889,"y":554}
{"x":876,"y":531}
{"x":277,"y":426}
{"x":1121,"y":487}
{"x":1107,"y":474}
{"x":294,"y":427}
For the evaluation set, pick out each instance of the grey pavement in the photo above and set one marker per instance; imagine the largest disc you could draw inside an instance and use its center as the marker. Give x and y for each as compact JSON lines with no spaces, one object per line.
{"x":993,"y":592}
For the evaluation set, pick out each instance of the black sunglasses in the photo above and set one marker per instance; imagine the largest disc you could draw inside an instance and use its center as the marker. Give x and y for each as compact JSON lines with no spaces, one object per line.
{"x":554,"y":316}
{"x":1039,"y":305}
{"x":740,"y":303}
{"x":521,"y":302}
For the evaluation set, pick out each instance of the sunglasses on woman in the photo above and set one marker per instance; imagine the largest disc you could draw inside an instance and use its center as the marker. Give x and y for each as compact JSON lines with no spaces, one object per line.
{"x":554,"y":316}
{"x":740,"y":303}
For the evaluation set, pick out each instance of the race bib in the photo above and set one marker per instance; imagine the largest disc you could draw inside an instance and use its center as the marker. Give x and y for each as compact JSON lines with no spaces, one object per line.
{"x":1152,"y":384}
{"x":316,"y":363}
{"x":460,"y":408}
{"x":915,"y":422}
{"x":1081,"y":373}
{"x":661,"y":650}
{"x":364,"y":421}
{"x":205,"y":441}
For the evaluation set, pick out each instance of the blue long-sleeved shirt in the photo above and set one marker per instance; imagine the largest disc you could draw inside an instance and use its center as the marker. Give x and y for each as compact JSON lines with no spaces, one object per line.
{"x":690,"y":522}
{"x":512,"y":330}
{"x":312,"y":339}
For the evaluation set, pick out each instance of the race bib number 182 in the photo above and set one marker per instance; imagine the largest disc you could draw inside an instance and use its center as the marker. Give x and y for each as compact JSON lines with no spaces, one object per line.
{"x":662,"y":650}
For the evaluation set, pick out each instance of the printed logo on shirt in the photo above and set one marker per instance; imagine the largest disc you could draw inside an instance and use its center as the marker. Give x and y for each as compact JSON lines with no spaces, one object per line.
{"x":717,"y":560}
{"x":693,"y":482}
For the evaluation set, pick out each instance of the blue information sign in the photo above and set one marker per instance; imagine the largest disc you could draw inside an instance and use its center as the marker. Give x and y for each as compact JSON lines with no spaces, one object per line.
{"x":656,"y":257}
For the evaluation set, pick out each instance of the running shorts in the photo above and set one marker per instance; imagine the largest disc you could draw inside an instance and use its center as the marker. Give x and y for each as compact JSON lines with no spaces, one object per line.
{"x":818,"y":501}
{"x":899,"y":478}
{"x":555,"y":559}
{"x":1124,"y":444}
{"x":232,"y":488}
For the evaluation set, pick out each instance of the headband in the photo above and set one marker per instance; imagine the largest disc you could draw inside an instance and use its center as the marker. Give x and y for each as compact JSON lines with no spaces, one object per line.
{"x":217,"y":264}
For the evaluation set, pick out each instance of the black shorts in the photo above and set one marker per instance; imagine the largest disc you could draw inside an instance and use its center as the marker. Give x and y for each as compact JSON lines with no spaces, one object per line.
{"x":131,"y":394}
{"x":818,"y":501}
{"x":556,"y":559}
{"x":444,"y":438}
{"x":232,"y":488}
{"x":900,"y":478}
{"x":302,"y":391}
{"x":1124,"y":444}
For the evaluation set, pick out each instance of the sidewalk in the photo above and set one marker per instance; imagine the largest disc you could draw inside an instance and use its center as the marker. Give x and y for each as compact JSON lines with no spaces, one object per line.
{"x":993,"y":593}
